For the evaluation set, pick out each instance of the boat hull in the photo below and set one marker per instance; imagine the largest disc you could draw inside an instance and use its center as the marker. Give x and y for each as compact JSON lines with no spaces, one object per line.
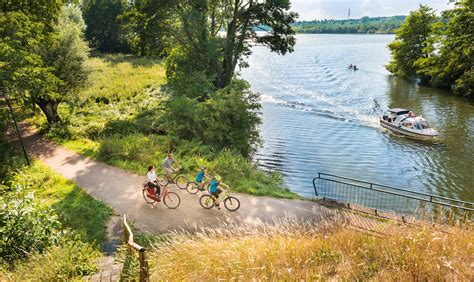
{"x":402,"y":131}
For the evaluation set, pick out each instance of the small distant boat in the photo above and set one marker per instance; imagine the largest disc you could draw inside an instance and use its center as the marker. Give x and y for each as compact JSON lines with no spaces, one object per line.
{"x":352,"y":67}
{"x":404,"y":122}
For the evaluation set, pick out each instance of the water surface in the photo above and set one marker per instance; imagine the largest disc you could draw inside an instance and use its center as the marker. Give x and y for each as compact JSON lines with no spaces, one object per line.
{"x":318,"y":116}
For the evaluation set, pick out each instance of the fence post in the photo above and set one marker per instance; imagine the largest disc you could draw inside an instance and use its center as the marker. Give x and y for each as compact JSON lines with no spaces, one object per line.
{"x":144,"y":274}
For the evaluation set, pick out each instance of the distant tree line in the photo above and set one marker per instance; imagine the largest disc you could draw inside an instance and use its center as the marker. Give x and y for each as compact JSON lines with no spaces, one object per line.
{"x":362,"y":25}
{"x":438,"y":51}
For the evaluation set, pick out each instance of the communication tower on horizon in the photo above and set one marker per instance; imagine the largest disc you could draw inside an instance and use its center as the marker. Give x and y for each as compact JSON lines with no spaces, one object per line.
{"x":349,"y":14}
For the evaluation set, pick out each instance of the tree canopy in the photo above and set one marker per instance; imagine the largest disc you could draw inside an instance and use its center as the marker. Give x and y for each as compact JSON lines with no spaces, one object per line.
{"x":438,"y":51}
{"x":43,"y":61}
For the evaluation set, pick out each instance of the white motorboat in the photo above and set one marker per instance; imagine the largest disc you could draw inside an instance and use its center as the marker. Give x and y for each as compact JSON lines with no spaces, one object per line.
{"x":404,"y":122}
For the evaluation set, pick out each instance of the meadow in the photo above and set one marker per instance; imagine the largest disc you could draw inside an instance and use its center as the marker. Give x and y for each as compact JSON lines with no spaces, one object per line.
{"x":118,"y":119}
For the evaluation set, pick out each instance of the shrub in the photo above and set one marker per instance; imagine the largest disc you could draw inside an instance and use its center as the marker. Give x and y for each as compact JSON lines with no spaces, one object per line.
{"x":24,"y":226}
{"x":229,"y":118}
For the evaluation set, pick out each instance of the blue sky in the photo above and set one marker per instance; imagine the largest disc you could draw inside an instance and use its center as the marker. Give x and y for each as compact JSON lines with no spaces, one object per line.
{"x":337,"y":9}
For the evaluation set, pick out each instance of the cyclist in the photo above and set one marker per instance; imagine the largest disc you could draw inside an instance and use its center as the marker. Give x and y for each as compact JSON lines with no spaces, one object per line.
{"x":200,"y":177}
{"x":153,"y":181}
{"x":168,"y":166}
{"x":215,"y":188}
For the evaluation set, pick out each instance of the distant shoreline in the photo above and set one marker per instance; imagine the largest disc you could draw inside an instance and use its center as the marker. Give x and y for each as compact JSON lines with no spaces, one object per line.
{"x":342,"y":33}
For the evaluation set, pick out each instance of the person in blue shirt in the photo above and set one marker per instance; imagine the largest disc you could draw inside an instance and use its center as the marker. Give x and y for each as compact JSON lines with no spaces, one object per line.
{"x":215,"y":188}
{"x":200,"y":177}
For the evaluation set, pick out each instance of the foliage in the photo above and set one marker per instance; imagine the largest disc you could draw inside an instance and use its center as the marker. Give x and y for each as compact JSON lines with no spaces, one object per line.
{"x":362,"y":25}
{"x":411,"y":42}
{"x":104,"y":30}
{"x":439,"y":53}
{"x":53,"y":225}
{"x":201,"y":47}
{"x":146,"y":26}
{"x":76,"y":209}
{"x":227,"y":119}
{"x":322,"y":251}
{"x":70,"y":259}
{"x":121,"y":117}
{"x":24,"y":226}
{"x":43,"y":65}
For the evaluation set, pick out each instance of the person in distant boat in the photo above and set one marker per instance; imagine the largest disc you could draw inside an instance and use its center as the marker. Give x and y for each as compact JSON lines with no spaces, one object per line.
{"x":350,"y":66}
{"x":355,"y":67}
{"x":410,"y":114}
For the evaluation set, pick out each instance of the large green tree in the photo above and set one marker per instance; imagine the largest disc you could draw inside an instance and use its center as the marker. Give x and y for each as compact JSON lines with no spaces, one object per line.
{"x":42,"y":61}
{"x":146,"y":26}
{"x":410,"y":43}
{"x":451,"y":61}
{"x":218,"y":34}
{"x":104,"y":29}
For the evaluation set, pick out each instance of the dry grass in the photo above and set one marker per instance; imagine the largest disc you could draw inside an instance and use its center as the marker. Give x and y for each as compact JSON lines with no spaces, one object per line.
{"x":290,"y":251}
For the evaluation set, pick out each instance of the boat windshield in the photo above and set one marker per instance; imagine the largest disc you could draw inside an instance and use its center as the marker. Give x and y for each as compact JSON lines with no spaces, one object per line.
{"x":421,"y":125}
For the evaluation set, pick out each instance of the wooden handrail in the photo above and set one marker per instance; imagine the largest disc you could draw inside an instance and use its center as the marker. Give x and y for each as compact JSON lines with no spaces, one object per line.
{"x":131,"y":245}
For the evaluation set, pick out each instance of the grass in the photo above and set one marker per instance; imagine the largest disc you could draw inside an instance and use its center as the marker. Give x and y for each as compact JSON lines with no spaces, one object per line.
{"x":85,"y":218}
{"x":117,"y":120}
{"x":77,"y":209}
{"x":290,"y":251}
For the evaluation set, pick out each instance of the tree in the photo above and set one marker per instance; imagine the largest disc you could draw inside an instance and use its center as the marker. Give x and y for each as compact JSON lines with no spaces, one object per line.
{"x":410,"y":43}
{"x":104,"y":30}
{"x":146,"y":27}
{"x":451,"y":65}
{"x":42,"y":62}
{"x":200,"y":22}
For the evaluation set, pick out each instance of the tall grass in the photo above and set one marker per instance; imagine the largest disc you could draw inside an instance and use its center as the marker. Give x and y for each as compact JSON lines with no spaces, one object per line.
{"x":136,"y":151}
{"x":290,"y":251}
{"x":118,"y":119}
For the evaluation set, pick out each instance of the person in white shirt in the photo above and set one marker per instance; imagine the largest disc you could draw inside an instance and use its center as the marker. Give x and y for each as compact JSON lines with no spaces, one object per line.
{"x":153,"y":179}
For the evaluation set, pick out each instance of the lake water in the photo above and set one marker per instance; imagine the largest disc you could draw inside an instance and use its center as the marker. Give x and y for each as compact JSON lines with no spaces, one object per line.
{"x":318,"y":116}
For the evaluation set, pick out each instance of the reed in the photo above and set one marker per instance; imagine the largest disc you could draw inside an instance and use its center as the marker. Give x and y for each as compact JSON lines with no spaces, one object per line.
{"x":297,"y":251}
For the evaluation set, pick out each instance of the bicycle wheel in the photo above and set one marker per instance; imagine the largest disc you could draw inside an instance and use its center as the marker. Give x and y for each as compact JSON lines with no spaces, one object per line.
{"x":145,"y":196}
{"x":192,"y":187}
{"x":182,"y":181}
{"x":171,"y":200}
{"x":232,"y":203}
{"x":162,"y":180}
{"x":206,"y":201}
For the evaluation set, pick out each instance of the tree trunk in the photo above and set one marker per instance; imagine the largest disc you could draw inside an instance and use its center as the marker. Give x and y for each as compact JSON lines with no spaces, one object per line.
{"x":50,"y":110}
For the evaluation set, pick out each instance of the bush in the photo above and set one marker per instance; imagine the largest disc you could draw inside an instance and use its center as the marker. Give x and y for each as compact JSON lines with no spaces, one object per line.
{"x":25,"y":227}
{"x":229,"y":118}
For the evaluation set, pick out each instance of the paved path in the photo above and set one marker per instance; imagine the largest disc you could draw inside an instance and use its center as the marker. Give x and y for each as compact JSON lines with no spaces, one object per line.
{"x":122,"y":191}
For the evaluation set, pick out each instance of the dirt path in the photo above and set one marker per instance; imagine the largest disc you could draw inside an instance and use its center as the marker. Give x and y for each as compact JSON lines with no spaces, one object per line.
{"x":121,"y":190}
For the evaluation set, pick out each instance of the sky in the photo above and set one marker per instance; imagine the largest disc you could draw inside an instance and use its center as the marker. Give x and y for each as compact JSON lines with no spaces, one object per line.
{"x":337,"y":9}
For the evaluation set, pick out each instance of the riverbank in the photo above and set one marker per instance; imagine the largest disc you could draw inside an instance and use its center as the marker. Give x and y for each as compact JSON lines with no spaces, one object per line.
{"x":117,"y":120}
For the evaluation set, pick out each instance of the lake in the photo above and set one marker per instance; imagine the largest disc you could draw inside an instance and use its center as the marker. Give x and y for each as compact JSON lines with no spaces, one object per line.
{"x":319,"y":116}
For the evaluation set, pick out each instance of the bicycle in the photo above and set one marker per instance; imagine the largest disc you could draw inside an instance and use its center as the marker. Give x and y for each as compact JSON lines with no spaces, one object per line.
{"x":194,"y":187}
{"x":180,"y":180}
{"x":170,"y":199}
{"x":231,"y":203}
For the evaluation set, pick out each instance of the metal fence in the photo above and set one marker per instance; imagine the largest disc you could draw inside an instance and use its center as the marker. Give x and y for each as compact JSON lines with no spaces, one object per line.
{"x":382,"y":198}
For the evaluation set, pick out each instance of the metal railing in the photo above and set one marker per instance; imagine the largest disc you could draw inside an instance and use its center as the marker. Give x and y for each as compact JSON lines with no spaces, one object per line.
{"x":383,"y":198}
{"x":132,"y":246}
